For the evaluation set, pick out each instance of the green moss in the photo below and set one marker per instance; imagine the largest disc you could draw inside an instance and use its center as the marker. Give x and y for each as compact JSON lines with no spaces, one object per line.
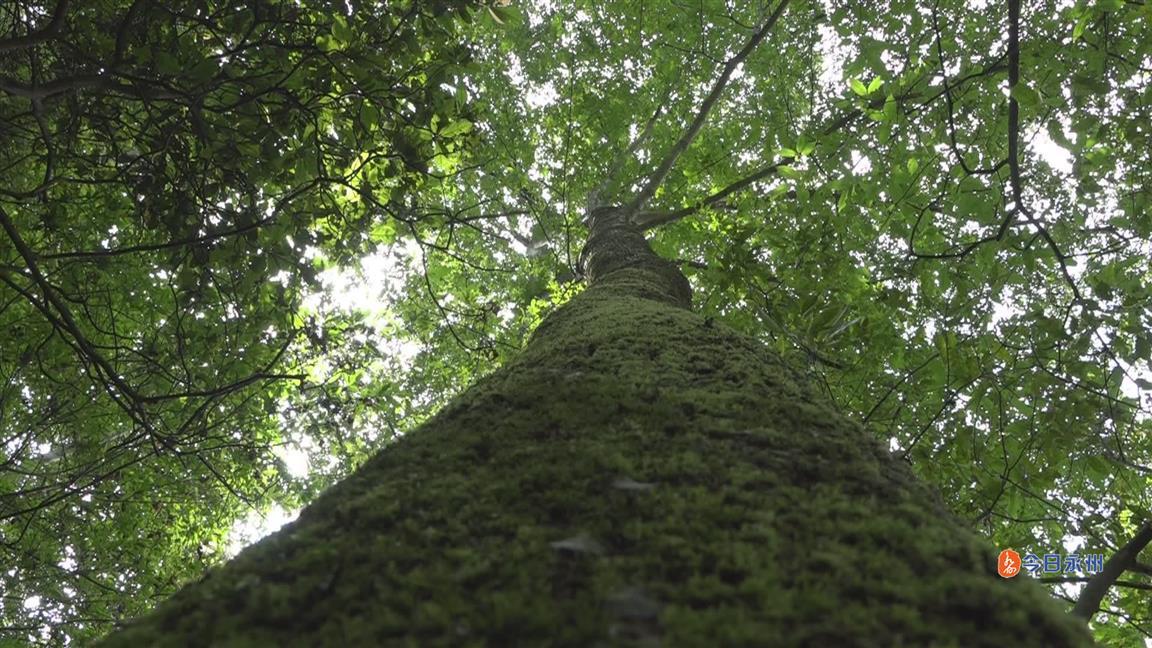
{"x":637,"y":475}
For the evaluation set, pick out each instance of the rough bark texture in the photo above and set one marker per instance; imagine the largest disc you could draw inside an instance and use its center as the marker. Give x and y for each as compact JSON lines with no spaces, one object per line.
{"x":638,"y":476}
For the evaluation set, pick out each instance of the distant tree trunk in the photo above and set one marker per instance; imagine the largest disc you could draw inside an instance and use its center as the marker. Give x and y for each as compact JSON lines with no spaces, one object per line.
{"x":640,"y":475}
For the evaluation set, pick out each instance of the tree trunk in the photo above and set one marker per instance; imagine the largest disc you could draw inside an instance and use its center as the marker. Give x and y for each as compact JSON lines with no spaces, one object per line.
{"x":640,"y":475}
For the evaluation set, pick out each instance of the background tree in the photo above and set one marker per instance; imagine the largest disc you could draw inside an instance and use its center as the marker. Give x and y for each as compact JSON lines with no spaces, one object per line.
{"x":175,"y":175}
{"x":987,"y":319}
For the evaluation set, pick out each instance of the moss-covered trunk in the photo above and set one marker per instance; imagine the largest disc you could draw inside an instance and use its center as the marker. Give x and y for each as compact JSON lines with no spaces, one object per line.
{"x":638,"y":476}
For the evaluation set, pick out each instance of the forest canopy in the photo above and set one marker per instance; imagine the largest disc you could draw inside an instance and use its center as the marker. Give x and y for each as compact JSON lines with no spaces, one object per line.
{"x":247,"y":244}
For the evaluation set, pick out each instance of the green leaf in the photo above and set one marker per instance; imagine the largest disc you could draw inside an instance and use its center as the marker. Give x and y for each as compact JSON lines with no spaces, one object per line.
{"x":506,"y":16}
{"x":341,"y":31}
{"x":370,"y":115}
{"x":1025,"y":96}
{"x":167,"y":63}
{"x":890,"y":108}
{"x":1081,"y":25}
{"x":858,"y":87}
{"x":789,"y":172}
{"x":1089,"y":84}
{"x":457,"y":127}
{"x":204,"y":70}
{"x":1143,"y":349}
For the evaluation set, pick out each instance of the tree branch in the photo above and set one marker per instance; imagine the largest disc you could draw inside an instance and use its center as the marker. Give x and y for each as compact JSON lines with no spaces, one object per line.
{"x":1087,"y":579}
{"x":1094,"y":592}
{"x":127,"y":397}
{"x":650,"y":219}
{"x":597,"y":196}
{"x":194,"y":240}
{"x":647,"y":220}
{"x":661,"y":172}
{"x":947,"y":93}
{"x":1013,"y":105}
{"x":51,"y":88}
{"x":37,"y":37}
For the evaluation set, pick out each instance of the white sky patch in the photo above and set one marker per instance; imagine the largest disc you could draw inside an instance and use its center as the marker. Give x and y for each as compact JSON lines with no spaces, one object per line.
{"x":833,"y":55}
{"x":1005,"y":307}
{"x":860,"y":163}
{"x":255,"y":526}
{"x":381,"y":272}
{"x":1073,"y":543}
{"x":536,"y":96}
{"x":536,"y":11}
{"x":295,"y":457}
{"x":68,"y":563}
{"x":539,"y":96}
{"x":514,"y":70}
{"x":371,"y":291}
{"x":1055,"y":155}
{"x":1128,"y":387}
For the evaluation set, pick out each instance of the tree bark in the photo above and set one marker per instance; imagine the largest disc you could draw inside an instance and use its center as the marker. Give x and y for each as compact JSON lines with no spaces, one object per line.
{"x":640,"y":475}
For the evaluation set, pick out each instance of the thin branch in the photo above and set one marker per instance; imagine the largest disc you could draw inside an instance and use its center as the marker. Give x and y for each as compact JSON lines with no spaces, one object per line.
{"x":950,"y":104}
{"x":1061,"y":258}
{"x":224,"y":482}
{"x":661,"y":172}
{"x":194,"y":240}
{"x":1001,"y":231}
{"x":128,"y":399}
{"x":37,"y":37}
{"x":1125,"y":618}
{"x":1089,"y":602}
{"x":1140,"y":567}
{"x":1013,"y":105}
{"x":648,"y":220}
{"x":891,"y":389}
{"x":52,"y":88}
{"x":596,"y":198}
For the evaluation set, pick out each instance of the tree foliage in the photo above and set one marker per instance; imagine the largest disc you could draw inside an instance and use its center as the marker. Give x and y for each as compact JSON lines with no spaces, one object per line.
{"x":940,"y":211}
{"x":175,"y":176}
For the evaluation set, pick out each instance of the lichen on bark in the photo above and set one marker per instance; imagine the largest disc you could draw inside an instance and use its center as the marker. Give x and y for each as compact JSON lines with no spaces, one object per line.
{"x":639,"y":475}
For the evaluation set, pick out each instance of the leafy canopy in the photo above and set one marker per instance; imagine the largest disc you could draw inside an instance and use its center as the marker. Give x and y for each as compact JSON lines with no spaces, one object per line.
{"x":942,"y":217}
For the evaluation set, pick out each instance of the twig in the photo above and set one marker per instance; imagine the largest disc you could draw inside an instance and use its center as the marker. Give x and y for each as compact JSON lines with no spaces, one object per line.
{"x":1087,"y":579}
{"x":947,"y":92}
{"x":648,"y":220}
